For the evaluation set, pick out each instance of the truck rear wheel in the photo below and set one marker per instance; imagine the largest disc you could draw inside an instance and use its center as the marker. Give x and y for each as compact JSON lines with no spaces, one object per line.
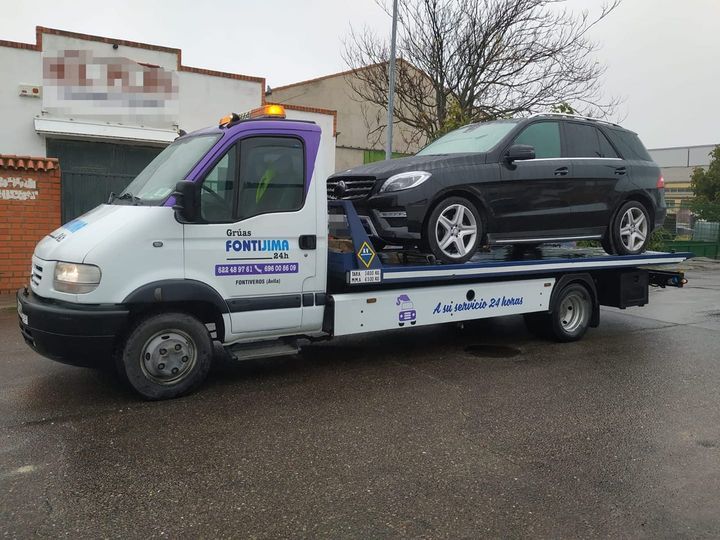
{"x":571,"y":315}
{"x":166,"y":355}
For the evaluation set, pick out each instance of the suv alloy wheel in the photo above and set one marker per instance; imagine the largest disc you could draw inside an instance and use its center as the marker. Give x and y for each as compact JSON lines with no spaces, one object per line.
{"x":454,"y":230}
{"x":631,"y":228}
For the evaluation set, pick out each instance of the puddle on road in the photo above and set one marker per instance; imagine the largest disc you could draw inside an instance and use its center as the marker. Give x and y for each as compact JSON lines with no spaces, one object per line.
{"x":493,"y":351}
{"x":708,"y":444}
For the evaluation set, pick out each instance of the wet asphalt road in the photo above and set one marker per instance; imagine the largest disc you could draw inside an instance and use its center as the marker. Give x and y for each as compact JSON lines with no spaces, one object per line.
{"x":441,"y":432}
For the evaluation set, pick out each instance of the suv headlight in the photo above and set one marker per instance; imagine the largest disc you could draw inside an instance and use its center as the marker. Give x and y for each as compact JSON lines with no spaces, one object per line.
{"x":76,"y":278}
{"x":404,"y":180}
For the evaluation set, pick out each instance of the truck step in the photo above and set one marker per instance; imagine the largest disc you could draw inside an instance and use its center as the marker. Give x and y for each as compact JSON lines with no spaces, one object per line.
{"x":262,"y":349}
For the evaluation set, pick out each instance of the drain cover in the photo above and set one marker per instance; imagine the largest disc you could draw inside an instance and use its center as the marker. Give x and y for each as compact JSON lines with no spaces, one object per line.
{"x":493,"y":351}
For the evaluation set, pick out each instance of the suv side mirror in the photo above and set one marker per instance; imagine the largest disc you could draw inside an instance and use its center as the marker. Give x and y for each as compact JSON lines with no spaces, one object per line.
{"x":187,"y":201}
{"x":519,"y":152}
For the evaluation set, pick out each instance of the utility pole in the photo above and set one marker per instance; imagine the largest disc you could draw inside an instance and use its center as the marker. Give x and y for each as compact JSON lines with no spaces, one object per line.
{"x":391,"y":86}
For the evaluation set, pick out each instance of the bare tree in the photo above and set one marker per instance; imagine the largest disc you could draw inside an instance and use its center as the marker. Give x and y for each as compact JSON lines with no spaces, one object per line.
{"x":470,"y":60}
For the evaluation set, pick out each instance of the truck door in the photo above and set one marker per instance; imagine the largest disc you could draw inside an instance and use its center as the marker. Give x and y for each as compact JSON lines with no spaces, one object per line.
{"x":255,"y":243}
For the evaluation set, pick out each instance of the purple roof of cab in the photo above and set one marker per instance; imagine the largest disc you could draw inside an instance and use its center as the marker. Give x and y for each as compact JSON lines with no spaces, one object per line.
{"x":309,"y":132}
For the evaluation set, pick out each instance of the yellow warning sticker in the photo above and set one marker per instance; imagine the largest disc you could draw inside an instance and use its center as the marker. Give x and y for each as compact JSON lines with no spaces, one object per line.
{"x":366,"y":254}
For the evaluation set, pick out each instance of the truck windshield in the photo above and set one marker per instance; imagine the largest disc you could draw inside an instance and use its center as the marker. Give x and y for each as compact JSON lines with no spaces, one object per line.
{"x":473,"y":138}
{"x":158,"y":179}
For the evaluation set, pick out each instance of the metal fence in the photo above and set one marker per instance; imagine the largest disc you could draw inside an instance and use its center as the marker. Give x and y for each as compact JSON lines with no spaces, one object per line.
{"x":706,"y":231}
{"x":83,"y":191}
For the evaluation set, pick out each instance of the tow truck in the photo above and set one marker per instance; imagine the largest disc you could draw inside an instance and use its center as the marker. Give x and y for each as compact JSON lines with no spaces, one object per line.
{"x":247,"y":251}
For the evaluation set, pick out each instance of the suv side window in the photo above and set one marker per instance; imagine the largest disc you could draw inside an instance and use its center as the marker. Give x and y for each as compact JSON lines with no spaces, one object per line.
{"x":272,"y":176}
{"x":582,"y":140}
{"x":606,"y":148}
{"x":217,"y":194}
{"x":629,"y":144}
{"x":587,"y":141}
{"x":544,"y":137}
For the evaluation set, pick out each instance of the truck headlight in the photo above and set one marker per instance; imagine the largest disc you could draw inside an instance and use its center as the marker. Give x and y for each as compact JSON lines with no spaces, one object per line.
{"x":76,"y":278}
{"x":405,"y":180}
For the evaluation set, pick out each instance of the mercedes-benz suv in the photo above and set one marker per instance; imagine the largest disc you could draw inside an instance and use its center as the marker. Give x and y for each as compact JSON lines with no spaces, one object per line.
{"x":545,"y":178}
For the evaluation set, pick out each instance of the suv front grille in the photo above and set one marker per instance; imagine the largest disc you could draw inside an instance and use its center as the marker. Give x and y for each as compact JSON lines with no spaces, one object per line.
{"x":350,"y":187}
{"x":37,"y":274}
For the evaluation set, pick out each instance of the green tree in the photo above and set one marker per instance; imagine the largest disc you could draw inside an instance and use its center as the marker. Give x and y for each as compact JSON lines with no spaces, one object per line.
{"x":706,"y":188}
{"x":456,"y":117}
{"x":563,"y":108}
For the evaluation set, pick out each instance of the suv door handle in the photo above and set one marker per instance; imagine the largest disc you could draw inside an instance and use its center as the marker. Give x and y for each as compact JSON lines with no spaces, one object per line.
{"x":308,"y":241}
{"x":620,"y":171}
{"x":561,"y":171}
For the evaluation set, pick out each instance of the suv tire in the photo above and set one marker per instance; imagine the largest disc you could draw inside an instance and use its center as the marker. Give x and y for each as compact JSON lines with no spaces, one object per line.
{"x":454,"y":230}
{"x":631,"y":228}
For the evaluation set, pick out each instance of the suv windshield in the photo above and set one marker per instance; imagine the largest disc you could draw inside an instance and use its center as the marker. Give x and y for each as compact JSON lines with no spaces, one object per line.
{"x":473,"y":138}
{"x":158,"y":179}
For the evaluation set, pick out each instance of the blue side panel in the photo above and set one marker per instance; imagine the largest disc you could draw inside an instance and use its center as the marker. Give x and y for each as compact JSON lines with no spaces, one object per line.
{"x":364,"y":255}
{"x":339,"y":264}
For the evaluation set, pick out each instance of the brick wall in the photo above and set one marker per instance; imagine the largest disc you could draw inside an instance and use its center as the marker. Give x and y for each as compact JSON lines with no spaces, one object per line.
{"x":29,"y":209}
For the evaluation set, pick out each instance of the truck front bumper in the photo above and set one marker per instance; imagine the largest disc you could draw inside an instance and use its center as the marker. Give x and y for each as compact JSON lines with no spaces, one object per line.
{"x":75,"y":334}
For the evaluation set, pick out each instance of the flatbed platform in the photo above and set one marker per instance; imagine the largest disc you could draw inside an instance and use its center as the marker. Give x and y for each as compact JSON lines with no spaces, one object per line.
{"x":505,"y":261}
{"x":353,"y":260}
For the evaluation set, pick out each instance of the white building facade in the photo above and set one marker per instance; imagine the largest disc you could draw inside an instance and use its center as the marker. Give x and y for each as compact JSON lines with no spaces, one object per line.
{"x":105,"y":107}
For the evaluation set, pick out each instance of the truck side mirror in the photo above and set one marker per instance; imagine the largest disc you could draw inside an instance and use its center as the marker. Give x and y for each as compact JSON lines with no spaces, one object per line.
{"x":187,"y":201}
{"x":519,"y":152}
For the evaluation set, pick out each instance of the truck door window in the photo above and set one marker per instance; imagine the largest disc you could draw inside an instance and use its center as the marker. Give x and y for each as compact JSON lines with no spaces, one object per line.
{"x":272,"y":176}
{"x":218,"y":189}
{"x":544,"y":137}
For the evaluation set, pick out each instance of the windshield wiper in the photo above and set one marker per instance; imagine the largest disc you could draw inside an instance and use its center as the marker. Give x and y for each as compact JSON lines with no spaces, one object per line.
{"x":125,"y":196}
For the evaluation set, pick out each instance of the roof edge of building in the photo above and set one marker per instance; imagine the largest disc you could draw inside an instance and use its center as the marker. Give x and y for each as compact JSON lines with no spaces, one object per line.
{"x":305,"y":108}
{"x":331,"y":75}
{"x":683,"y":147}
{"x":28,"y":163}
{"x":38,"y":46}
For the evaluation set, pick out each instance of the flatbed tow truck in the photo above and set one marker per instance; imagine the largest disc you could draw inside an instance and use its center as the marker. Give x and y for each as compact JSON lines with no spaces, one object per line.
{"x":150,"y":281}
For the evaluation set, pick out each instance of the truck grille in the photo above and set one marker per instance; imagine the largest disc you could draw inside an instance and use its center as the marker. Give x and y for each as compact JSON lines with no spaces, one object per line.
{"x":37,"y":274}
{"x":350,"y":187}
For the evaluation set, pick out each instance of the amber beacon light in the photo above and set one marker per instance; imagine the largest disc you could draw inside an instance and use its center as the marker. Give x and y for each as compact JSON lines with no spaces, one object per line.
{"x":266,"y":111}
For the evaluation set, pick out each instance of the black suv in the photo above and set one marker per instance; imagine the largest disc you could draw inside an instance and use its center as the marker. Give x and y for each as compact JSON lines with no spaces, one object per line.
{"x":546,"y":178}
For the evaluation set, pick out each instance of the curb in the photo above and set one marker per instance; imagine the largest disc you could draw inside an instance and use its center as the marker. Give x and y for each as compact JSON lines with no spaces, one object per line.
{"x":7,"y":301}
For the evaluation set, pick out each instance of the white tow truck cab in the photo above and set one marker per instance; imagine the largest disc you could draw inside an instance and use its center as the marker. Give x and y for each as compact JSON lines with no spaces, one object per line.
{"x":246,"y":250}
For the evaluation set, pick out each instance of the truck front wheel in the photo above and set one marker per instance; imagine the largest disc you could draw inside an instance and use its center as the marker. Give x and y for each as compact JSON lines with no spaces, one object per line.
{"x":166,"y":355}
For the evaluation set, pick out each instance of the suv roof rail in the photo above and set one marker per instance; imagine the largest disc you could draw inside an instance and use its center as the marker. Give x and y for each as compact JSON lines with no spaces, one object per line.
{"x":577,"y":116}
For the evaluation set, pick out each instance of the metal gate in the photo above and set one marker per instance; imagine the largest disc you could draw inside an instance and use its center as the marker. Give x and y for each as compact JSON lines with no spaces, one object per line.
{"x":92,"y":170}
{"x":83,"y":191}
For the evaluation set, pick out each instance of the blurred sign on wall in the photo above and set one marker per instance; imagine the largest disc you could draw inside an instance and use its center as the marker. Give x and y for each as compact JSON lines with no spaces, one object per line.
{"x":79,"y":85}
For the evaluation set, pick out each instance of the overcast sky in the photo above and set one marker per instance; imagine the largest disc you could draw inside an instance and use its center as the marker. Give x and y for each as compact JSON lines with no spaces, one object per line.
{"x":663,"y":56}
